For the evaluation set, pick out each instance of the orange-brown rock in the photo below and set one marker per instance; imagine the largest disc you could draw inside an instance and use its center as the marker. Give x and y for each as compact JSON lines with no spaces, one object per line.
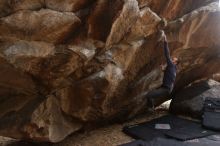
{"x":43,"y":25}
{"x":68,"y":5}
{"x":66,"y":64}
{"x":8,"y":7}
{"x":171,"y":9}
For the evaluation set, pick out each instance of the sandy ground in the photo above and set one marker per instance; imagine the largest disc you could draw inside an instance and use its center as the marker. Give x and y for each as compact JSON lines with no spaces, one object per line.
{"x":107,"y":136}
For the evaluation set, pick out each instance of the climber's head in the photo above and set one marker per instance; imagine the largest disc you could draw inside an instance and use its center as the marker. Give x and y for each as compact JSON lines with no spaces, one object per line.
{"x":175,"y":60}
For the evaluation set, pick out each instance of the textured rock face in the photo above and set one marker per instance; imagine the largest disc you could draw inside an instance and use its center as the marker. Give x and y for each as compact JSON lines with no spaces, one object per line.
{"x":190,"y":100}
{"x":68,"y":63}
{"x":32,"y":25}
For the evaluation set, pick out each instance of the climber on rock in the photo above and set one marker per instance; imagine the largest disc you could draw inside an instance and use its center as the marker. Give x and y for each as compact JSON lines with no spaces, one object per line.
{"x":161,"y":94}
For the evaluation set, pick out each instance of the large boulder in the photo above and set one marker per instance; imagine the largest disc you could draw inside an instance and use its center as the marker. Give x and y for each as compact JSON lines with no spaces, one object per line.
{"x":68,"y":64}
{"x":190,"y":100}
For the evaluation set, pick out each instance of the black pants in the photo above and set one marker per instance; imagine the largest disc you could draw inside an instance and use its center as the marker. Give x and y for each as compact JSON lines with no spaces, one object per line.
{"x":158,"y":96}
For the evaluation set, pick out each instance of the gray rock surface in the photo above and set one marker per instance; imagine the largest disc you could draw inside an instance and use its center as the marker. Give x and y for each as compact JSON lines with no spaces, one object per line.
{"x":190,"y":100}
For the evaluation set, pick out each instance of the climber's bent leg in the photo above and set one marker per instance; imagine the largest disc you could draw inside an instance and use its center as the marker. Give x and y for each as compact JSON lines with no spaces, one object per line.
{"x":157,"y":97}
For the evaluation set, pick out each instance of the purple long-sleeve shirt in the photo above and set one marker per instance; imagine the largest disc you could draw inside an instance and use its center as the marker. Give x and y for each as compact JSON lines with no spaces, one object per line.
{"x":170,"y":71}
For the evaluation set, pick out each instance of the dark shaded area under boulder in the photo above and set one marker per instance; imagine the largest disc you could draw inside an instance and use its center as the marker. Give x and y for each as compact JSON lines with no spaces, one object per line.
{"x":190,"y":100}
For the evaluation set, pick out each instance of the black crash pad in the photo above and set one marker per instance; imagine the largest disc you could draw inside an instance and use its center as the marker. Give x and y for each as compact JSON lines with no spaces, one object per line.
{"x":172,"y":142}
{"x":181,"y":129}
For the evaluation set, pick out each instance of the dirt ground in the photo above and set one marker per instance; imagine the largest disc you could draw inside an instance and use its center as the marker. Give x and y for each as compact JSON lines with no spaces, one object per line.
{"x":107,"y":136}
